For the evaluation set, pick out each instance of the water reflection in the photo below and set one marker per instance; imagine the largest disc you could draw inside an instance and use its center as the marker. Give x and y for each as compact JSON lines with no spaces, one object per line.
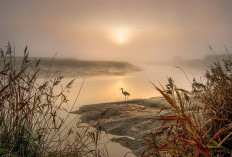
{"x":100,"y":89}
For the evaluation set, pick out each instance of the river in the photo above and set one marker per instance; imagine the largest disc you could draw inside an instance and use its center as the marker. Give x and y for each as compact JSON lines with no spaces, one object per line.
{"x":100,"y":89}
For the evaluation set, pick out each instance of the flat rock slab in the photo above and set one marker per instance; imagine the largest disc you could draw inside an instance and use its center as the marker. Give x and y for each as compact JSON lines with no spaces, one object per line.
{"x":134,"y":118}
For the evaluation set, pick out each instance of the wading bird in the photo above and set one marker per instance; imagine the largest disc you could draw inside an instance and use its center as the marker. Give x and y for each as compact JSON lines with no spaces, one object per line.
{"x":126,"y":94}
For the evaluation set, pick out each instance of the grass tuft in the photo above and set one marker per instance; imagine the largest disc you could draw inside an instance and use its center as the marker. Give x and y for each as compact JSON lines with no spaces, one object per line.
{"x":31,"y":113}
{"x":201,"y":119}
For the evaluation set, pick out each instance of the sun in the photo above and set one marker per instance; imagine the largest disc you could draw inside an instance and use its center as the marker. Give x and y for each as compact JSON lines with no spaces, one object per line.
{"x":120,"y":35}
{"x":121,"y":39}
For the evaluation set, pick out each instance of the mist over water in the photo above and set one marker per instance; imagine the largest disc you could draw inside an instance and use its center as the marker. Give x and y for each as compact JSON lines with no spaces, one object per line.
{"x":129,"y":44}
{"x":104,"y":87}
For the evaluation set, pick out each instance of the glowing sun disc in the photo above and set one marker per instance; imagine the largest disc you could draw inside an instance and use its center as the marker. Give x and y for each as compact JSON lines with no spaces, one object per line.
{"x":121,"y":35}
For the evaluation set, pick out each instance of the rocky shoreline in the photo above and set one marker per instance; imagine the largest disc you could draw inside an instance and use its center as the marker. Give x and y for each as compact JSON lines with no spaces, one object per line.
{"x":132,"y":120}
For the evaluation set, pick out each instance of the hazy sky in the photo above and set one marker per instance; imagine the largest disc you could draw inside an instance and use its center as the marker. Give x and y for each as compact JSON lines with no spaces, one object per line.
{"x":129,"y":30}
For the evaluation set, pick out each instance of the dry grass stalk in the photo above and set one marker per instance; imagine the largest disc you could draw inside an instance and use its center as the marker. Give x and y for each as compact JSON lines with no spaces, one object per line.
{"x":30,"y":114}
{"x":201,"y":121}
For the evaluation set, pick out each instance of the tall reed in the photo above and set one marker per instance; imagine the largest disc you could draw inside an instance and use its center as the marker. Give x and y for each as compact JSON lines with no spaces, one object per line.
{"x":201,"y":119}
{"x":30,"y":113}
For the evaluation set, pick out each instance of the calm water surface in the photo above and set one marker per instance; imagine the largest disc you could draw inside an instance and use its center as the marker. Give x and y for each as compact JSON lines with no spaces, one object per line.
{"x":99,"y":89}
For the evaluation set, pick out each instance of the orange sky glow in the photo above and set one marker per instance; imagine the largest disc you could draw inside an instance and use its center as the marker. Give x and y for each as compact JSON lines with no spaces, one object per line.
{"x":117,"y":29}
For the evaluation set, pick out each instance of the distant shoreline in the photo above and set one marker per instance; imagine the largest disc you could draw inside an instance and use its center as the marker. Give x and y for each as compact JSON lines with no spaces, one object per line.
{"x":74,"y":68}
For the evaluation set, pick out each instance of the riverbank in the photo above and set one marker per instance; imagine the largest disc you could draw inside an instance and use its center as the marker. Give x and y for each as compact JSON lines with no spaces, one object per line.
{"x":131,"y":120}
{"x":68,"y":67}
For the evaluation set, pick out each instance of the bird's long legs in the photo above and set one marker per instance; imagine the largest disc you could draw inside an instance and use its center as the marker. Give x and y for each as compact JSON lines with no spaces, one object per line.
{"x":127,"y":98}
